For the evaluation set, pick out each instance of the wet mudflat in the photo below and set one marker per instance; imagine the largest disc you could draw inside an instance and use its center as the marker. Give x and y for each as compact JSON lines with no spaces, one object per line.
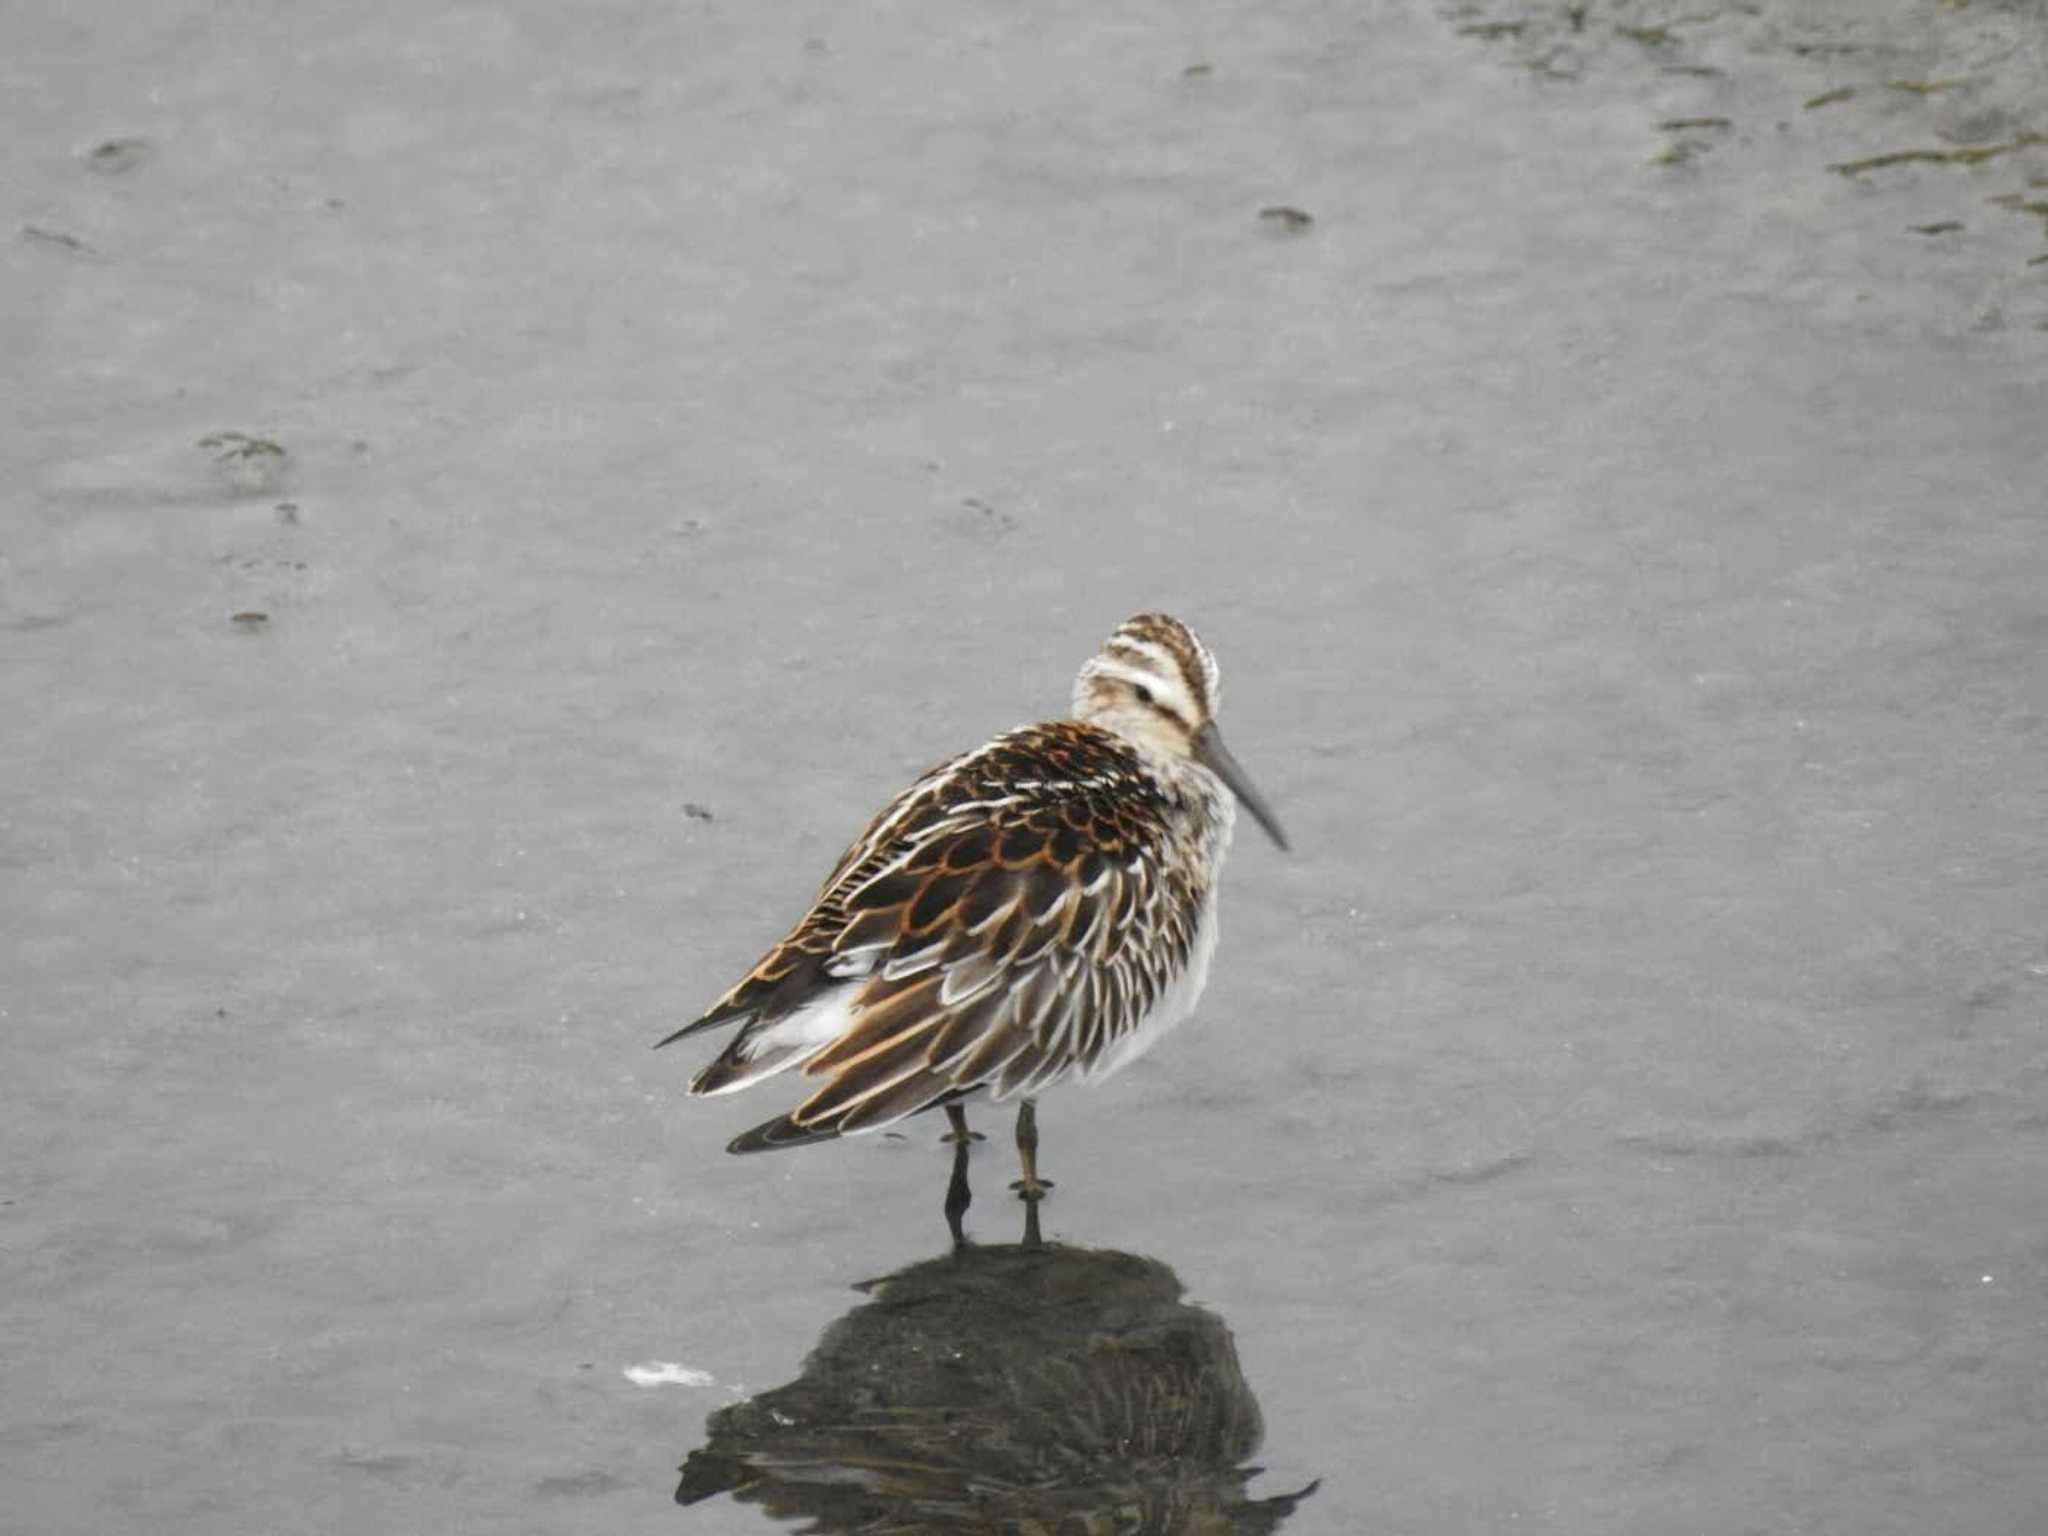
{"x":636,"y":440}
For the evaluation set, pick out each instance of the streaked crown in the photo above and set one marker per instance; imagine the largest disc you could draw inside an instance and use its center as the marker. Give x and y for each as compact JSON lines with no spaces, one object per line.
{"x":1153,"y":682}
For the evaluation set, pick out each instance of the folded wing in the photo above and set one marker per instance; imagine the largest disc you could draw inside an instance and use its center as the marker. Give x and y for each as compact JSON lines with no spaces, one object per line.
{"x":1004,"y":922}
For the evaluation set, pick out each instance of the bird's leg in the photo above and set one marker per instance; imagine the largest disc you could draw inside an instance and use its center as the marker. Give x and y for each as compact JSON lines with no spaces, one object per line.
{"x":958,"y":1195}
{"x":1031,"y":1186}
{"x":959,"y":1133}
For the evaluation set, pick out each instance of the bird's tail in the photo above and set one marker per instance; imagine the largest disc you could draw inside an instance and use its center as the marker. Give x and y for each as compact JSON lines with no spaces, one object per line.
{"x":774,"y":1135}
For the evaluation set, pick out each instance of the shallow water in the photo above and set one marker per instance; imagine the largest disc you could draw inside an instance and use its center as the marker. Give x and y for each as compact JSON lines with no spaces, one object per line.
{"x":1624,"y":1111}
{"x":1013,"y":1386}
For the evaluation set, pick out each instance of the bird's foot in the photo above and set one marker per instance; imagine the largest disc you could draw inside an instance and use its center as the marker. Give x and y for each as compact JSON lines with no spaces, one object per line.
{"x":1032,"y":1189}
{"x":953,"y":1138}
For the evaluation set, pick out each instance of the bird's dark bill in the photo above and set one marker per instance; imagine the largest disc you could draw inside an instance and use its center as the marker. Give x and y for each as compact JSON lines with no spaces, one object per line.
{"x":1213,"y":755}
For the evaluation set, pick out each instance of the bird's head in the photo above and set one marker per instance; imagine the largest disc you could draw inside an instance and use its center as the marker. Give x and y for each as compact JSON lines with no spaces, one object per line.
{"x":1156,"y":685}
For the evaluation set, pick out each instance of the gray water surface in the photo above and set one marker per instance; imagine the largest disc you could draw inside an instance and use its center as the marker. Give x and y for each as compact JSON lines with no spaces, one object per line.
{"x":1625,"y":1112}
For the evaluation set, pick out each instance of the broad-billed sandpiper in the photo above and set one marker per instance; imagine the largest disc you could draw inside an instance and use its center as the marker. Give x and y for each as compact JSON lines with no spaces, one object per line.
{"x":1040,"y":908}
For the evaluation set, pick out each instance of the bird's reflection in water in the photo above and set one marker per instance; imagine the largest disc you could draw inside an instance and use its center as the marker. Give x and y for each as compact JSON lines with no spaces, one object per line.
{"x":1022,"y":1388}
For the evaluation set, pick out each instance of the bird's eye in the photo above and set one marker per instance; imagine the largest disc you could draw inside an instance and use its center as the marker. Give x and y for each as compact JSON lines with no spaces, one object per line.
{"x":1144,"y":693}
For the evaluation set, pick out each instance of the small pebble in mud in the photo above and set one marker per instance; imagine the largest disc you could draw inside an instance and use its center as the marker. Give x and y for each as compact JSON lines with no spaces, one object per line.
{"x":991,"y":522}
{"x":1939,"y":227}
{"x":116,"y":157}
{"x":1281,"y":217}
{"x":249,"y":618}
{"x":1198,"y":71}
{"x":695,"y":811}
{"x":288,"y":513}
{"x":1829,"y":98}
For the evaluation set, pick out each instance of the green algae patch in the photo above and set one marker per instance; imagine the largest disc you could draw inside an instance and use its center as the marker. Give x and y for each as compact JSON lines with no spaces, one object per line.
{"x":1282,"y":217}
{"x":1973,"y":155}
{"x":251,"y":465}
{"x":2019,"y":202}
{"x":1927,"y":87}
